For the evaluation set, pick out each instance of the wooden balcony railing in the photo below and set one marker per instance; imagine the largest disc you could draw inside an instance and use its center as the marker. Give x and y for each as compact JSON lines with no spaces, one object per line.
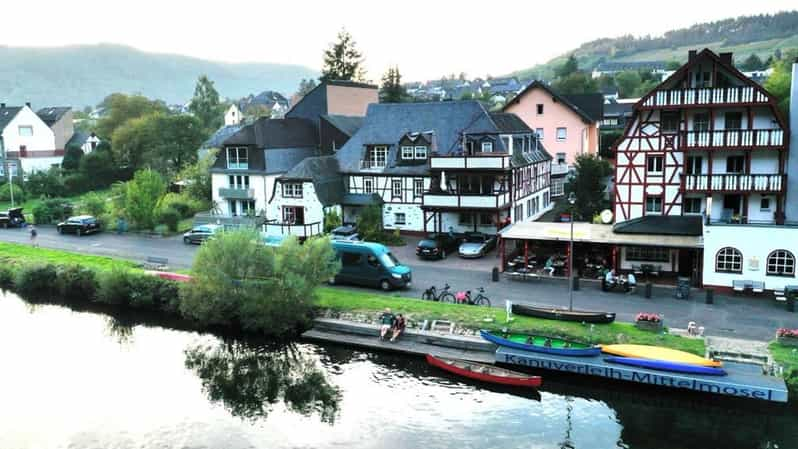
{"x":732,"y":139}
{"x":466,"y":201}
{"x":299,"y":230}
{"x":706,"y":96}
{"x":734,"y":183}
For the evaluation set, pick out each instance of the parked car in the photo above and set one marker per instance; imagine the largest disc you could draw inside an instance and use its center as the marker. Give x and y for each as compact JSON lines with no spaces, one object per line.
{"x":12,"y":218}
{"x":369,"y":264}
{"x":80,"y":225}
{"x":345,"y":232}
{"x":199,"y":234}
{"x":438,"y":246}
{"x":476,"y":245}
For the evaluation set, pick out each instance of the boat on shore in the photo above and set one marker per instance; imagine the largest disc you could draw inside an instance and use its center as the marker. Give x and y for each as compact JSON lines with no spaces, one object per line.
{"x":540,"y":343}
{"x":484,"y":373}
{"x":659,"y":353}
{"x":553,"y":313}
{"x":663,"y":365}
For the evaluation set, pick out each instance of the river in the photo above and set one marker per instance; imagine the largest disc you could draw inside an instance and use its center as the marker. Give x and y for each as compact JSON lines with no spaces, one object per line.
{"x":83,"y":379}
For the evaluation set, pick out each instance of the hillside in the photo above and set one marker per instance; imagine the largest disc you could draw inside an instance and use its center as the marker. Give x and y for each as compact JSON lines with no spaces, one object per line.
{"x":761,"y":35}
{"x":83,"y":75}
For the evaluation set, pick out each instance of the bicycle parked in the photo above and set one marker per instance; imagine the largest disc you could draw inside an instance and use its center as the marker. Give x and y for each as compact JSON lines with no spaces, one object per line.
{"x":479,"y":300}
{"x":442,"y":295}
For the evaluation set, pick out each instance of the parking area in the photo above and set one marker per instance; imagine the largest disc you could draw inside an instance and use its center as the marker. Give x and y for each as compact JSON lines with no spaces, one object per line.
{"x":407,"y":255}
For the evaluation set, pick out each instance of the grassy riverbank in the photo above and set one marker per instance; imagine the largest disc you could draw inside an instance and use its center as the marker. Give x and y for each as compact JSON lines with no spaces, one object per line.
{"x":14,"y":253}
{"x":787,"y":357}
{"x":494,"y":318}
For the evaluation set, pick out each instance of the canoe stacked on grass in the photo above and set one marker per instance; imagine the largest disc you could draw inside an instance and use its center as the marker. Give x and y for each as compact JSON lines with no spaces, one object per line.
{"x":552,"y":313}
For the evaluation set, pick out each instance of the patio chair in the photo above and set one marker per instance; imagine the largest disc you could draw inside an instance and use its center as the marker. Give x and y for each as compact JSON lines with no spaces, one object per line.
{"x":738,"y":286}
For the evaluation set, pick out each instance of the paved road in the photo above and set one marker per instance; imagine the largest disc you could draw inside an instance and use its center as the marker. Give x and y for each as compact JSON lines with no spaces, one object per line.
{"x":730,"y":316}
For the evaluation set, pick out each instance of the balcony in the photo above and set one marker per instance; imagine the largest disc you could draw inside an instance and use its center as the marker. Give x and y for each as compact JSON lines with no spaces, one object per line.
{"x":706,"y":97}
{"x":481,"y":161}
{"x":732,"y":139}
{"x":367,"y":165}
{"x":559,"y":169}
{"x":299,"y":230}
{"x":236,"y":193}
{"x":734,"y":183}
{"x":466,"y":201}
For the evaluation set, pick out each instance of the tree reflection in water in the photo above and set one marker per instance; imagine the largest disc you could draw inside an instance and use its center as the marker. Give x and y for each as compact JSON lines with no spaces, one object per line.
{"x":247,"y":379}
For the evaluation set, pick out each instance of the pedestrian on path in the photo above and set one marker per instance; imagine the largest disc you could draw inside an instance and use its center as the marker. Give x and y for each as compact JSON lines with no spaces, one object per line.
{"x":33,"y":234}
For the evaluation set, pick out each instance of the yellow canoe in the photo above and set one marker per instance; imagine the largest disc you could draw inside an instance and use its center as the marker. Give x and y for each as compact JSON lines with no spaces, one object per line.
{"x":658,"y":353}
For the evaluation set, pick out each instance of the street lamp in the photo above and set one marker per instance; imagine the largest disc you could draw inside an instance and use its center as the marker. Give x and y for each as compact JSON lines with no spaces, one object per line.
{"x":571,"y":201}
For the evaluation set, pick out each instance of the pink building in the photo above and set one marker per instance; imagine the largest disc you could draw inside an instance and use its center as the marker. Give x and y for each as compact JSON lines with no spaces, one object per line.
{"x":566,"y":124}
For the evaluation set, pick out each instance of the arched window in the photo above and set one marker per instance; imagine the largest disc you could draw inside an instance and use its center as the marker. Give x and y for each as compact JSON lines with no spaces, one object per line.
{"x":729,"y":260}
{"x":781,"y":263}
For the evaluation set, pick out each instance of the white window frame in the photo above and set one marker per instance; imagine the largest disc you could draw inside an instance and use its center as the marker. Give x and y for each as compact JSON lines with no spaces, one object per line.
{"x":420,"y":152}
{"x":399,"y":218}
{"x":700,"y":206}
{"x":368,"y":185}
{"x":289,"y":214}
{"x":26,"y":127}
{"x":292,"y":190}
{"x":378,"y":157}
{"x":396,"y":188}
{"x":653,"y":203}
{"x":564,"y":136}
{"x":237,"y":158}
{"x":781,"y":263}
{"x":539,"y":132}
{"x":656,"y":157}
{"x":407,"y":153}
{"x":486,"y":147}
{"x":729,"y":260}
{"x":418,"y":188}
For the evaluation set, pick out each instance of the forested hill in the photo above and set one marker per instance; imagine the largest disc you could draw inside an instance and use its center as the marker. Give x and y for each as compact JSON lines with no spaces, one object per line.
{"x":83,"y":75}
{"x":762,"y":35}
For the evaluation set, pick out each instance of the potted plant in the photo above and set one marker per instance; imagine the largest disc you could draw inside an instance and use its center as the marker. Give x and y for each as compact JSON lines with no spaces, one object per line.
{"x":648,"y":322}
{"x":787,"y":337}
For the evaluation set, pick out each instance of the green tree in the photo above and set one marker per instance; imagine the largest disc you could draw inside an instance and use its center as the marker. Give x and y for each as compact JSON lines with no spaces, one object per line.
{"x":120,"y":108}
{"x":575,"y":83}
{"x":45,"y":183}
{"x":342,"y":60}
{"x":392,"y":90}
{"x":93,"y":204}
{"x":72,"y":156}
{"x":369,"y":223}
{"x":305,"y":86}
{"x":141,"y":197}
{"x":132,"y":139}
{"x":197,"y":178}
{"x":778,"y":84}
{"x":673,"y":65}
{"x":205,"y":105}
{"x":238,"y":280}
{"x":628,"y":81}
{"x":569,"y":67}
{"x":752,"y":62}
{"x":589,"y":185}
{"x":165,"y":143}
{"x":256,"y":111}
{"x":644,"y":88}
{"x":98,"y":168}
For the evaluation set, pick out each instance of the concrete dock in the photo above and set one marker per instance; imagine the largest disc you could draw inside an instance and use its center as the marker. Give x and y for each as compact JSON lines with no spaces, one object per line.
{"x":743,"y":380}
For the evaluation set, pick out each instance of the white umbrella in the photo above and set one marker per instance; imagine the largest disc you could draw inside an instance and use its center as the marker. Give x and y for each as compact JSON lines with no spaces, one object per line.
{"x":443,"y":181}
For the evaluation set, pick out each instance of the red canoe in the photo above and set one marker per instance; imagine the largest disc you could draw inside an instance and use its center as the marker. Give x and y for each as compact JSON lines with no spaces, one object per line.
{"x":169,"y":275}
{"x":485,"y":373}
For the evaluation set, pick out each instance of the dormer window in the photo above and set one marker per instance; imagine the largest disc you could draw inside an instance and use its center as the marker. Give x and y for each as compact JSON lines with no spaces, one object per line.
{"x":407,"y":153}
{"x":378,"y":157}
{"x":238,"y":158}
{"x":487,"y":147}
{"x":421,"y":152}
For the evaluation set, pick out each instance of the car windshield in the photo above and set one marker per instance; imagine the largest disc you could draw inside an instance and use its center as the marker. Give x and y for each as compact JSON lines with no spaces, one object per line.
{"x":476,"y":238}
{"x":388,"y":260}
{"x":89,"y":220}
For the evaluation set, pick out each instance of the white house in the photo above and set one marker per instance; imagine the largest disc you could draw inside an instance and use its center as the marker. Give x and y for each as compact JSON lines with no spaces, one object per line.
{"x":233,"y":116}
{"x":27,"y":139}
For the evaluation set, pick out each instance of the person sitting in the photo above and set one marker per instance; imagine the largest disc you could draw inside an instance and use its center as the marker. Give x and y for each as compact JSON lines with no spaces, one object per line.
{"x":547,"y":343}
{"x":549,"y":267}
{"x":398,"y":326}
{"x":386,"y":322}
{"x":610,"y":279}
{"x":631,"y":283}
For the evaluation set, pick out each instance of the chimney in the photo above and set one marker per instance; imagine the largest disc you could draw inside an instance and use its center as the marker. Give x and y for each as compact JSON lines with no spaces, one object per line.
{"x":27,"y":103}
{"x":727,"y":58}
{"x":691,"y":55}
{"x":791,"y":198}
{"x":2,"y":105}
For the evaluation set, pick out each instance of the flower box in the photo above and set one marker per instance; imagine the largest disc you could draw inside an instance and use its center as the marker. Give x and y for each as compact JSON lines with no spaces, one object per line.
{"x":651,"y":326}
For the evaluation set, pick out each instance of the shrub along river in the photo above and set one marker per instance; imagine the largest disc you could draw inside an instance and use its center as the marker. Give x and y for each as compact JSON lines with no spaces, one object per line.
{"x":85,"y":379}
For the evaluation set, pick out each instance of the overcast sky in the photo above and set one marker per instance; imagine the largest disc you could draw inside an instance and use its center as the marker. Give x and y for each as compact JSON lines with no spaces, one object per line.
{"x":425,"y":38}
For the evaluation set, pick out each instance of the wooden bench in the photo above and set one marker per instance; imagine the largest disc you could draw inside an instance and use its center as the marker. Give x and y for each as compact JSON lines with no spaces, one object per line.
{"x":742,"y":285}
{"x":156,"y":263}
{"x":757,"y":287}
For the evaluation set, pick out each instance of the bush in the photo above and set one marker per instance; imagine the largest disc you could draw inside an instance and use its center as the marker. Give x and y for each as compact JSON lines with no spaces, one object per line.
{"x":169,"y":217}
{"x":5,"y":192}
{"x":52,"y":210}
{"x":36,"y":281}
{"x":331,"y":221}
{"x":93,"y":204}
{"x":181,"y":203}
{"x":152,"y":292}
{"x":6,"y":277}
{"x":77,"y":183}
{"x":45,"y":183}
{"x":72,"y":157}
{"x":113,"y":287}
{"x":76,"y":283}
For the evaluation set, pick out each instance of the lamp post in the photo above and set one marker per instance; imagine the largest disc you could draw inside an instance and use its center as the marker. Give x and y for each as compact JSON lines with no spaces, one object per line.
{"x":571,"y":201}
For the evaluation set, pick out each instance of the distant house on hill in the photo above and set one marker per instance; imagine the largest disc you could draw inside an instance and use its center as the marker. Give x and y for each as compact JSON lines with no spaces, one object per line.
{"x":87,"y":142}
{"x":611,"y":68}
{"x":274,"y":101}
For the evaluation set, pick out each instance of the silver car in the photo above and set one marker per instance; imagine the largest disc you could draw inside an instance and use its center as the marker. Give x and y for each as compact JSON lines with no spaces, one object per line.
{"x":476,"y":245}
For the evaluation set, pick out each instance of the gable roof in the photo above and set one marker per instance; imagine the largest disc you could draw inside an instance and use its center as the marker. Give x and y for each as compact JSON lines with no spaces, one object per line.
{"x":347,"y":124}
{"x":557,"y":97}
{"x":387,"y":123}
{"x":78,"y":139}
{"x":323,"y":172}
{"x":269,"y":133}
{"x":7,"y":114}
{"x":53,"y":114}
{"x":591,"y":104}
{"x":221,"y":134}
{"x":508,"y":122}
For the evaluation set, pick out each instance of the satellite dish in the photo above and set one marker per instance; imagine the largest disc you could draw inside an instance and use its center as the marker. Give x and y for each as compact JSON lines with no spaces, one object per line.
{"x":606,"y":216}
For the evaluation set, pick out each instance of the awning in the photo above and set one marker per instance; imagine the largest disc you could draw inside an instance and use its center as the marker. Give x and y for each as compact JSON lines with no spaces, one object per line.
{"x":595,"y":233}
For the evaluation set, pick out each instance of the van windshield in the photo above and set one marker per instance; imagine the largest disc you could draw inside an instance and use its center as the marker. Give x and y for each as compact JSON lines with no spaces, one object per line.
{"x":388,"y":260}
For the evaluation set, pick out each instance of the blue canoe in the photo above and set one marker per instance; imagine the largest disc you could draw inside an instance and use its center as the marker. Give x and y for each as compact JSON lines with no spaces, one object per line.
{"x":663,"y":365}
{"x":537,"y":343}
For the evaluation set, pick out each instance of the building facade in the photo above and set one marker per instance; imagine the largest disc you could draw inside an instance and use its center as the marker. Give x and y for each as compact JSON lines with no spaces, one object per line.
{"x":27,"y":139}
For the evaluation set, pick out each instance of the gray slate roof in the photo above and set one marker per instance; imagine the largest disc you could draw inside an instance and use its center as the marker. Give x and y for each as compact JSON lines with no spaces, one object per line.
{"x":7,"y":114}
{"x":221,"y":134}
{"x":661,"y":225}
{"x":78,"y":139}
{"x":53,"y":114}
{"x":614,"y":109}
{"x":347,"y":124}
{"x":276,"y":133}
{"x":323,"y":172}
{"x":586,"y":117}
{"x":590,"y":104}
{"x":386,"y":124}
{"x":509,"y":123}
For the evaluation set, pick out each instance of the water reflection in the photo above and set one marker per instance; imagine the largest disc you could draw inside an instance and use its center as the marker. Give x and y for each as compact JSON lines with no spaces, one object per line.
{"x":249,"y":379}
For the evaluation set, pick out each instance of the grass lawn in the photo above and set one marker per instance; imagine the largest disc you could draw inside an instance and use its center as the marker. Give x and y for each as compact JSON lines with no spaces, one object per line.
{"x":494,"y":318}
{"x":30,"y":203}
{"x":787,"y":357}
{"x":16,"y":253}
